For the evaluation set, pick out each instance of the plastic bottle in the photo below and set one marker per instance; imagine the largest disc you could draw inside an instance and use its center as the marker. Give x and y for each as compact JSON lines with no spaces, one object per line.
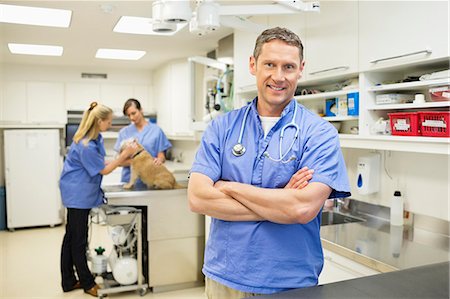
{"x":99,"y":261}
{"x":397,"y":209}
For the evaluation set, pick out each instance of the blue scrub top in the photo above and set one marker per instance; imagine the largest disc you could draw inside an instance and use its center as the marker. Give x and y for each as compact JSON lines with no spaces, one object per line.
{"x":81,"y":179}
{"x":262,"y":256}
{"x":152,"y":139}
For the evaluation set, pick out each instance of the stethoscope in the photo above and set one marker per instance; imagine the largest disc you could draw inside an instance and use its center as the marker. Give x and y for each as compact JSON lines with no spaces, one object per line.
{"x":239,"y":149}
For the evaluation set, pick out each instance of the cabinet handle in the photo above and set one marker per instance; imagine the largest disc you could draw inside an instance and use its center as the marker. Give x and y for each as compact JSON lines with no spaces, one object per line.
{"x":331,"y":69}
{"x":426,"y":51}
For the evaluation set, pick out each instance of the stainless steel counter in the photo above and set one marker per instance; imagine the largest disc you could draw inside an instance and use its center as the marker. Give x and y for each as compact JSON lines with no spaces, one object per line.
{"x":385,"y":248}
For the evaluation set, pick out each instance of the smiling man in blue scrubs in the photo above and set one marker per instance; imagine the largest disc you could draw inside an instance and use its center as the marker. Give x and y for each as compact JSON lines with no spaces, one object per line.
{"x":265,"y":235}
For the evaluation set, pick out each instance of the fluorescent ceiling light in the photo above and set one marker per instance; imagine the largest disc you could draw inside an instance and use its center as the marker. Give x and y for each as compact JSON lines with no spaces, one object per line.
{"x":35,"y":16}
{"x":119,"y":54}
{"x":139,"y":25}
{"x":30,"y":49}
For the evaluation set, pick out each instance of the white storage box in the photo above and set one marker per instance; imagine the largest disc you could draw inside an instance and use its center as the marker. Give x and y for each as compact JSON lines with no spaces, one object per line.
{"x":393,"y":98}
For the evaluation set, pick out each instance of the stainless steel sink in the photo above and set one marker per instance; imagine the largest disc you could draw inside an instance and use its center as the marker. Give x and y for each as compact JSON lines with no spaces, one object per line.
{"x":332,"y":217}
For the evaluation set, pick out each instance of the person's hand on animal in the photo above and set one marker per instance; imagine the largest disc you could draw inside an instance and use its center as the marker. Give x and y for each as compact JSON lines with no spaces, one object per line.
{"x":128,"y":151}
{"x":300,"y":179}
{"x":157,"y":161}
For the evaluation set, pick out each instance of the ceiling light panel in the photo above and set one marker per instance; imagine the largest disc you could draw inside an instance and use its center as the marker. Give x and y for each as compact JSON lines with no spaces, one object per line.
{"x":119,"y":54}
{"x":30,"y":49}
{"x":35,"y":16}
{"x":139,"y":25}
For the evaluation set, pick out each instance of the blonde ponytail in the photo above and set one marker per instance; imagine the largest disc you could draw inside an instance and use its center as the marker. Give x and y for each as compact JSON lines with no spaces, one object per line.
{"x":89,"y":127}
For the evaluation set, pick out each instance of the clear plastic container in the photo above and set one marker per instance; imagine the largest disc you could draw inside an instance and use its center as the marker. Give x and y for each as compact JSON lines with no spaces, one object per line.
{"x":397,"y":209}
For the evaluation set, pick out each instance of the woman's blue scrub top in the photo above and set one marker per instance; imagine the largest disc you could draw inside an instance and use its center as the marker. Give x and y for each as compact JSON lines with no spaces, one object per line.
{"x":152,"y":139}
{"x":262,"y":256}
{"x":81,"y":179}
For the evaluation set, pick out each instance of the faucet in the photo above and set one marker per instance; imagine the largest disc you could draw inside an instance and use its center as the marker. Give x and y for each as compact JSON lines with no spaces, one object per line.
{"x":342,"y":204}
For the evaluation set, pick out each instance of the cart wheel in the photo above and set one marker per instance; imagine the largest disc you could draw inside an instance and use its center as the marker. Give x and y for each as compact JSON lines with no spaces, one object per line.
{"x":142,"y":291}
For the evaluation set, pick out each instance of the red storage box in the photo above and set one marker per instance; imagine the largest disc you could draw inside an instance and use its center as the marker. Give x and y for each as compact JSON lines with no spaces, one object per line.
{"x":404,"y":123}
{"x":434,"y":123}
{"x":441,"y":93}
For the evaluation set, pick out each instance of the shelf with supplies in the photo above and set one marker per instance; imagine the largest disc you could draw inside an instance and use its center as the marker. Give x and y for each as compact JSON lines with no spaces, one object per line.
{"x":409,"y":86}
{"x":406,"y":108}
{"x":425,"y":105}
{"x":341,"y":118}
{"x":417,"y":144}
{"x":324,"y":95}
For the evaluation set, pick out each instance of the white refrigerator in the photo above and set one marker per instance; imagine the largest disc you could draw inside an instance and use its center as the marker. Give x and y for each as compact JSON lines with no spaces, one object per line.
{"x":33,"y":165}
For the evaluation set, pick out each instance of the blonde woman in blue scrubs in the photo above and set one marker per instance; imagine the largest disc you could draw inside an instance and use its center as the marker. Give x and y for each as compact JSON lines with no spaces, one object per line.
{"x":80,"y":182}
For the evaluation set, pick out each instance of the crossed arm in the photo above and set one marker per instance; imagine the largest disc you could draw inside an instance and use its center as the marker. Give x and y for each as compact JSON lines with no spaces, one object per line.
{"x":298,"y":202}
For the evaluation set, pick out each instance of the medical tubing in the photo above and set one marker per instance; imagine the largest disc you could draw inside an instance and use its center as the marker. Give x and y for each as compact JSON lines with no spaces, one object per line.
{"x":292,"y":122}
{"x":241,"y":133}
{"x":217,"y":103}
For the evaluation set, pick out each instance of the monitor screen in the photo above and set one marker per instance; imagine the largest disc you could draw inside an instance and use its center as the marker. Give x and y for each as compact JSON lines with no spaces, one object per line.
{"x":70,"y":132}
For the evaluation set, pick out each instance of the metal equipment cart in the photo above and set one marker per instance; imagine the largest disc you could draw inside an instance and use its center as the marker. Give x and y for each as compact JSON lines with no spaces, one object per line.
{"x":132,"y":219}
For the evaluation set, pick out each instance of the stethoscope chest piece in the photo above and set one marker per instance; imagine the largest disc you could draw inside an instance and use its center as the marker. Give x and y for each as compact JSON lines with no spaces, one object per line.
{"x":238,"y":149}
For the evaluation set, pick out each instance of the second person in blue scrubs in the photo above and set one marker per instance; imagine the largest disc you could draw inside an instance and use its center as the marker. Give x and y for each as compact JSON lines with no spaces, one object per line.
{"x":149,"y":135}
{"x":79,"y":184}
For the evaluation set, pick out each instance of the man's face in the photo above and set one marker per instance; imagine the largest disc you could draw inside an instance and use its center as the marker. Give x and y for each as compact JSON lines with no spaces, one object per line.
{"x":277,"y":70}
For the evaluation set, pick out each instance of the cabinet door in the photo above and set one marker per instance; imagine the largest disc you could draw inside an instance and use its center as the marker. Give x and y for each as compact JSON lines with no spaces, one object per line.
{"x":244,"y":43}
{"x":14,"y":104}
{"x":399,"y":32}
{"x":172,"y":93}
{"x":141,"y":92}
{"x":162,"y":95}
{"x":331,"y":45}
{"x":80,"y":95}
{"x":115,"y":95}
{"x":45,"y":102}
{"x":338,"y":268}
{"x":180,"y":98}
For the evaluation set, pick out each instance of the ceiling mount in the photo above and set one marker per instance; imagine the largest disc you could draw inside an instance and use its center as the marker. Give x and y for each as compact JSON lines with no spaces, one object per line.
{"x":209,"y":15}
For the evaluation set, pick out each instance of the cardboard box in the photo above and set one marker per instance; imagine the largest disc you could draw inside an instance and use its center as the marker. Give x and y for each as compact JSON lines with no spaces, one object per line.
{"x":342,"y":106}
{"x":353,"y":103}
{"x":331,"y":108}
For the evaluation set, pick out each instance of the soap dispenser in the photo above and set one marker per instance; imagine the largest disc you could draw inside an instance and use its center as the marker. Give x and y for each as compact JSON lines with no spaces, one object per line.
{"x":368,"y":178}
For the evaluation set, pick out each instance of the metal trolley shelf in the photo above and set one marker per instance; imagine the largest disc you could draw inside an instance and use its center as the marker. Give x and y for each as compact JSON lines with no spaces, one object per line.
{"x":132,"y":218}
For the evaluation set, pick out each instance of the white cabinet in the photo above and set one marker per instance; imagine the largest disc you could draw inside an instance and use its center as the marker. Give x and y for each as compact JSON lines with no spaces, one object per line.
{"x":33,"y":102}
{"x":244,"y":42}
{"x":115,"y":95}
{"x":331,"y":44}
{"x":14,"y":104}
{"x":80,"y":95}
{"x":45,"y":102}
{"x":172,"y":98}
{"x":339,"y":268}
{"x":398,"y":32}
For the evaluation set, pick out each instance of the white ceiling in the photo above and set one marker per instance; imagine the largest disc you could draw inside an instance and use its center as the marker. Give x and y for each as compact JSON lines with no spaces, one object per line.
{"x":91,"y":28}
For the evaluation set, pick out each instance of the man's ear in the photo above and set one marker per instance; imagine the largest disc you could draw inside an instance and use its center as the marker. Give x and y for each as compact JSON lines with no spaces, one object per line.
{"x":302,"y":67}
{"x":252,"y":65}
